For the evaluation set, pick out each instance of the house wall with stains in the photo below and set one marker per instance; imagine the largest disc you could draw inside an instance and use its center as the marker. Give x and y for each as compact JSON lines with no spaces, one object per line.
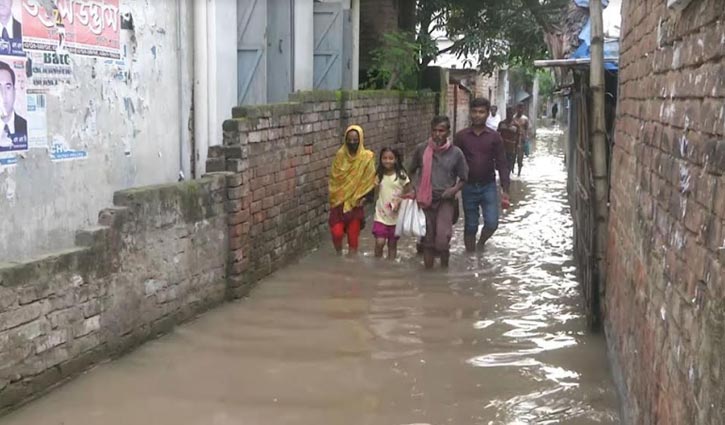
{"x":130,"y":116}
{"x":665,"y":289}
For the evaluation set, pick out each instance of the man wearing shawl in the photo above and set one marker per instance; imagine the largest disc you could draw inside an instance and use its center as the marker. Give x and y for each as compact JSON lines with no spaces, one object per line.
{"x":440,"y":171}
{"x":352,"y":181}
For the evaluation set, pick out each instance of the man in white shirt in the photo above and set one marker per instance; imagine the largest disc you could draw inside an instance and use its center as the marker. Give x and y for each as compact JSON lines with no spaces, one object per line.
{"x":493,"y":119}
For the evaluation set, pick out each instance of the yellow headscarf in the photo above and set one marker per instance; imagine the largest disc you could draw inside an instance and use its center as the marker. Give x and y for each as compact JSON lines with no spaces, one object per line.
{"x":351,"y":177}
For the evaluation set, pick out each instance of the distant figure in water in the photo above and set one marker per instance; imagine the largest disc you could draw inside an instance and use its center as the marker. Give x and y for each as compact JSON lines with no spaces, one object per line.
{"x":554,"y":111}
{"x":352,"y":183}
{"x":509,"y":131}
{"x":524,"y":130}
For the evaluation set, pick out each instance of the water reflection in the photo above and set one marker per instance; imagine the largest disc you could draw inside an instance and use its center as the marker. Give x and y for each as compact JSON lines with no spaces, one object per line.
{"x":499,"y":338}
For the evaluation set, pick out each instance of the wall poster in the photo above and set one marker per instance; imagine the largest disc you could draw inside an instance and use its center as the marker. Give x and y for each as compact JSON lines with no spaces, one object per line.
{"x":83,"y":27}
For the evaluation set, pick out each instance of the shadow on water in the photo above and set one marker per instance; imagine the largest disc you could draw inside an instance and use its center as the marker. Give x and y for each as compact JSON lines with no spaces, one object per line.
{"x":499,"y":338}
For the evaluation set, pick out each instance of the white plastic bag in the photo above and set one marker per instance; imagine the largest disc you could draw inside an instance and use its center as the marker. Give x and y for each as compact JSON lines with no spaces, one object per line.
{"x":411,"y":220}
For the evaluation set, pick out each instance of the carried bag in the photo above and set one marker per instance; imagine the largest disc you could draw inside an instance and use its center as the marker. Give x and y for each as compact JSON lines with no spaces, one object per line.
{"x":411,"y":220}
{"x":527,"y":148}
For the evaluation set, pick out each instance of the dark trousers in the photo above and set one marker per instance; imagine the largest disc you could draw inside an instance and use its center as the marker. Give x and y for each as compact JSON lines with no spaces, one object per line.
{"x":439,"y":218}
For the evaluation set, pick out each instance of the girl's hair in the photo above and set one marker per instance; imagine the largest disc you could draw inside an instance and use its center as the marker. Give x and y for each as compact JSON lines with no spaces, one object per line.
{"x":400,"y":172}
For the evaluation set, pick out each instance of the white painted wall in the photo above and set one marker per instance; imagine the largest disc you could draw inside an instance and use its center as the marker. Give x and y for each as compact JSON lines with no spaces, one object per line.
{"x":355,"y":6}
{"x":216,"y":93}
{"x":129,"y":127}
{"x":225,"y":74}
{"x":138,"y":131}
{"x":304,"y":45}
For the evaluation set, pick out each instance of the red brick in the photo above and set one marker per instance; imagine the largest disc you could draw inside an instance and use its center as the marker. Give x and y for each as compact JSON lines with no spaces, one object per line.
{"x":237,"y":256}
{"x":238,"y":217}
{"x":235,"y":243}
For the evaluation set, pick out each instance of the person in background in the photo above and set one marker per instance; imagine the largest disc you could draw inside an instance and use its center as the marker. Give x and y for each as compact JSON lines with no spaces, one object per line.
{"x":524,"y":128}
{"x":393,"y":183}
{"x":554,"y":111}
{"x":493,"y":119}
{"x":484,"y":152}
{"x":351,"y":184}
{"x":440,"y":169}
{"x":509,"y":131}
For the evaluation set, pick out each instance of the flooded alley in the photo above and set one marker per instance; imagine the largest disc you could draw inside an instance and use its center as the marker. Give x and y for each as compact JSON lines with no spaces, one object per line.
{"x":499,"y":338}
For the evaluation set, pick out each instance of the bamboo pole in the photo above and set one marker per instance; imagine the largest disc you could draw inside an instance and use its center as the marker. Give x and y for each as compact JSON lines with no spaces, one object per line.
{"x":599,"y":142}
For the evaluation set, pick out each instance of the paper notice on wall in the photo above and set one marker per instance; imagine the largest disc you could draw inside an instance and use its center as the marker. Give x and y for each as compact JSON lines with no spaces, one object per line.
{"x":37,"y":121}
{"x":83,"y":27}
{"x":7,"y":160}
{"x":13,"y":105}
{"x":11,"y":35}
{"x":49,"y":70}
{"x":60,"y":151}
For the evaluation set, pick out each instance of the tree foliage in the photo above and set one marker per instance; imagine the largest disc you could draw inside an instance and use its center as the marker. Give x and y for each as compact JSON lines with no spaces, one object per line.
{"x":498,"y":31}
{"x":396,"y":63}
{"x":546,"y":84}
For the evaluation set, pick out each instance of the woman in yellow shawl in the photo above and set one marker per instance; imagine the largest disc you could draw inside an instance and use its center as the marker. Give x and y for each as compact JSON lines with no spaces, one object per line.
{"x":352,"y":182}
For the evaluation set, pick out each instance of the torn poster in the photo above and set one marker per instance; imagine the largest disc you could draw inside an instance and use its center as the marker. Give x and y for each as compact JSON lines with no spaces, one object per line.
{"x":59,"y":151}
{"x":37,"y":121}
{"x":49,"y":69}
{"x":84,"y":27}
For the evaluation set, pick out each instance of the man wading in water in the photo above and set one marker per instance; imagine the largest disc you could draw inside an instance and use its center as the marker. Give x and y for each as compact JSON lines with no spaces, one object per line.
{"x":509,"y":131}
{"x":440,"y":171}
{"x":524,"y":127}
{"x":485,"y":153}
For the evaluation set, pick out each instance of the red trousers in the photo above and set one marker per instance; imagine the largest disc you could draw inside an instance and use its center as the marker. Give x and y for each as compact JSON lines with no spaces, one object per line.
{"x":352,"y":229}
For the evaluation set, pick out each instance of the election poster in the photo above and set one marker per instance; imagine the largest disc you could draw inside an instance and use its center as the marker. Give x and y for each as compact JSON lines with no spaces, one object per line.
{"x":13,"y":105}
{"x":82,"y":27}
{"x":11,"y":28}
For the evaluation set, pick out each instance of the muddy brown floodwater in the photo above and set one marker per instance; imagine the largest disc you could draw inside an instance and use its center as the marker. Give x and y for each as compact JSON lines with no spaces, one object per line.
{"x":499,"y":338}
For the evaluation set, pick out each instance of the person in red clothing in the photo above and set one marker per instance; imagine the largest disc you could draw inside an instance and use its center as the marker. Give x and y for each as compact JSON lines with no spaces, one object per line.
{"x":485,"y":153}
{"x":352,"y":183}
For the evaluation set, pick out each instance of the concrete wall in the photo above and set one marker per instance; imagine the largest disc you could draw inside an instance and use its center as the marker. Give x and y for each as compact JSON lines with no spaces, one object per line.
{"x":135,"y":118}
{"x":304,"y":40}
{"x":665,"y":293}
{"x":158,"y":257}
{"x":503,"y":96}
{"x":281,"y":156}
{"x":131,"y":119}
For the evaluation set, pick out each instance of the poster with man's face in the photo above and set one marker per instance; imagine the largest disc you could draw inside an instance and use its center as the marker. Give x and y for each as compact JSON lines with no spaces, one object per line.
{"x":11,"y":28}
{"x":13,"y":104}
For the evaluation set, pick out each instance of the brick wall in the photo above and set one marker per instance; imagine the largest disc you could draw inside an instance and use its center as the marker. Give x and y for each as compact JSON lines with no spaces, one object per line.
{"x":165,"y":253}
{"x":665,"y":294}
{"x":459,"y":101}
{"x":486,"y":84}
{"x":158,"y":257}
{"x":281,"y":155}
